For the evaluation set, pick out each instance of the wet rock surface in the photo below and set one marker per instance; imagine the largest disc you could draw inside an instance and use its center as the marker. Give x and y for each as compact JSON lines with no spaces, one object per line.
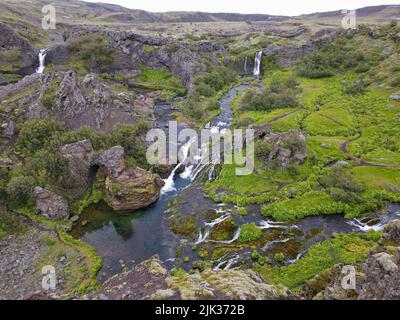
{"x":127,"y":188}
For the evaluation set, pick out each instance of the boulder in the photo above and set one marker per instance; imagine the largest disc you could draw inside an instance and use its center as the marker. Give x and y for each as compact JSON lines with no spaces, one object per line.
{"x":386,"y":262}
{"x":134,"y":189}
{"x":112,"y":161}
{"x":79,"y":155}
{"x":395,"y":96}
{"x":50,"y":205}
{"x":287,"y":148}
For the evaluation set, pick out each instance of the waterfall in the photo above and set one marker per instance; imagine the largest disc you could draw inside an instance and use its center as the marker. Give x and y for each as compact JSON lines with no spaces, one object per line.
{"x":257,"y":63}
{"x":169,"y":182}
{"x":42,"y":60}
{"x":245,"y":66}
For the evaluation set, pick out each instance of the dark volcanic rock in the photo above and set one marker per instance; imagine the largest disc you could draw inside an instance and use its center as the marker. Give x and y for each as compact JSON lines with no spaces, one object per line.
{"x":80,"y":155}
{"x":288,"y":55}
{"x":11,"y":40}
{"x":77,"y":102}
{"x":378,"y":278}
{"x":112,"y":161}
{"x":50,"y":205}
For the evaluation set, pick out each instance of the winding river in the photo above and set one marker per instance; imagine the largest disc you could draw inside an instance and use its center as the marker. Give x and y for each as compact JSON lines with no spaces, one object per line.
{"x":126,"y":240}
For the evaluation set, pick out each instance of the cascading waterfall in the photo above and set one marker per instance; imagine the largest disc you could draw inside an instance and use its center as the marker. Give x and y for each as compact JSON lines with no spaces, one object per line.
{"x":245,"y":66}
{"x":42,"y":60}
{"x":257,"y":64}
{"x":169,"y":182}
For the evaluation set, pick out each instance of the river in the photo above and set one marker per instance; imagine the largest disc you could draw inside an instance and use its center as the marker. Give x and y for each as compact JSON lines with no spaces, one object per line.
{"x":128,"y":239}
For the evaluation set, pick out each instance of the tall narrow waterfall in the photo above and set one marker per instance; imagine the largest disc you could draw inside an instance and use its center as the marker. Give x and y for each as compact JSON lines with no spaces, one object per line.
{"x":245,"y":66}
{"x":42,"y":60}
{"x":257,"y":63}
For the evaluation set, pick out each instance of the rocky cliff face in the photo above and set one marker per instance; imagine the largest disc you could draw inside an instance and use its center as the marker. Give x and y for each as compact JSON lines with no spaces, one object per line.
{"x":77,"y":102}
{"x":290,"y":54}
{"x":17,"y":55}
{"x":151,"y":280}
{"x":79,"y":155}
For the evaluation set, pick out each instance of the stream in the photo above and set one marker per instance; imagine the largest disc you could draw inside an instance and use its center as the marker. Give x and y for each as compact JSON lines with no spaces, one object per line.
{"x":125,"y":240}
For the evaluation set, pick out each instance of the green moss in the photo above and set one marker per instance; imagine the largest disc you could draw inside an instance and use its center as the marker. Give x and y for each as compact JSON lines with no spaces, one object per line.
{"x":250,"y":232}
{"x":161,"y":80}
{"x":348,"y":249}
{"x":183,"y":225}
{"x":94,"y":262}
{"x":224,"y":230}
{"x":94,"y":196}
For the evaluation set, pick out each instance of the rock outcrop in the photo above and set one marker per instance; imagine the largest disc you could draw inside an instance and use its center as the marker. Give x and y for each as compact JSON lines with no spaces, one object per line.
{"x":50,"y":205}
{"x":79,"y":155}
{"x":395,"y":96}
{"x":77,"y":102}
{"x":287,"y":148}
{"x":127,"y":188}
{"x":378,"y":278}
{"x":288,"y":55}
{"x":151,"y":280}
{"x":21,"y":48}
{"x":112,"y":161}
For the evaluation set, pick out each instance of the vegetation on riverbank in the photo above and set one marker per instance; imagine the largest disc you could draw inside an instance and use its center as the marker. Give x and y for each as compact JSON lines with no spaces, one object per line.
{"x":343,"y":248}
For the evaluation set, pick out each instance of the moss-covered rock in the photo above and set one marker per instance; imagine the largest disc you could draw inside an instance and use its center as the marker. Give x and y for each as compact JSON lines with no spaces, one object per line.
{"x":224,"y":231}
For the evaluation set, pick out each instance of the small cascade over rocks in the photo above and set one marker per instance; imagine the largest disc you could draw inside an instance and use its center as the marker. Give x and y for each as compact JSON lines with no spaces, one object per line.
{"x":257,"y":64}
{"x":364,"y":227}
{"x":184,"y":154}
{"x":203,"y":236}
{"x":42,"y":61}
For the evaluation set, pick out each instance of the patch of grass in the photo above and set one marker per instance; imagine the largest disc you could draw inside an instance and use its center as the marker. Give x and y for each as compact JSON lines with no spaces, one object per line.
{"x":10,"y":224}
{"x":161,"y":80}
{"x":377,"y":178}
{"x":94,"y":262}
{"x":249,"y":233}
